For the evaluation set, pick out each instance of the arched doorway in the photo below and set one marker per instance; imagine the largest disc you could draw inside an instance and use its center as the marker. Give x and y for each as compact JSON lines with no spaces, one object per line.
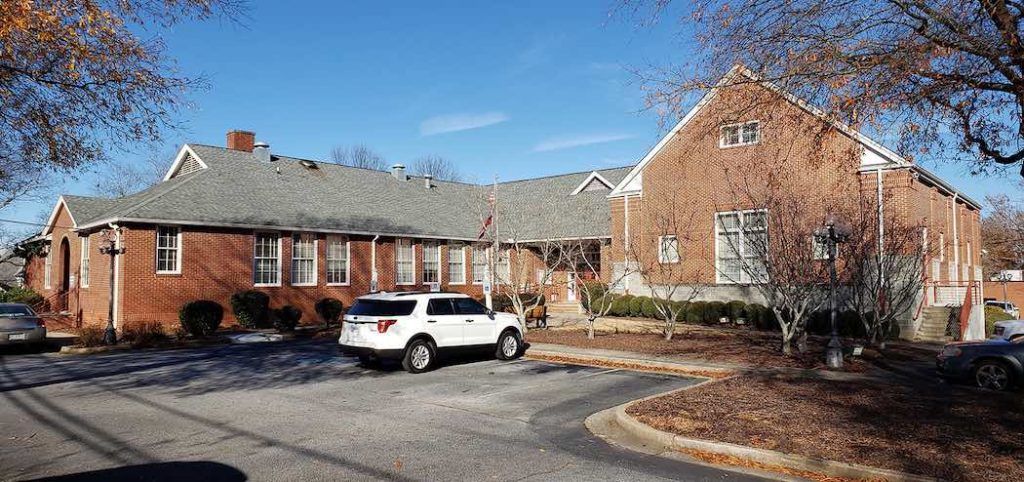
{"x":65,"y":273}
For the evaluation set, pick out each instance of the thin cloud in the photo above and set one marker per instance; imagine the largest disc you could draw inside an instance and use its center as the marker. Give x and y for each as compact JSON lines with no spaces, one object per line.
{"x":557,"y":143}
{"x":460,"y":122}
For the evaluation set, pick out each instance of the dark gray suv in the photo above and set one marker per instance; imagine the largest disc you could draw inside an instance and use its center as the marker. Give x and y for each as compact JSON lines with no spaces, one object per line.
{"x":994,"y":364}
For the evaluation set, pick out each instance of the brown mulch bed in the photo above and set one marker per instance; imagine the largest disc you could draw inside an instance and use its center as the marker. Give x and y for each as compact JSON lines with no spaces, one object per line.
{"x":927,"y":428}
{"x":746,"y":347}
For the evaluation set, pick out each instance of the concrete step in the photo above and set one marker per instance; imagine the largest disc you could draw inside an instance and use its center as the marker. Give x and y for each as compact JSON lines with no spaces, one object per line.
{"x":563,"y":308}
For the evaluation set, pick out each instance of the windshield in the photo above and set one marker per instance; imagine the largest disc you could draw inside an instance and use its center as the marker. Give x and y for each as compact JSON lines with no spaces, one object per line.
{"x":16,"y":310}
{"x":382,"y":308}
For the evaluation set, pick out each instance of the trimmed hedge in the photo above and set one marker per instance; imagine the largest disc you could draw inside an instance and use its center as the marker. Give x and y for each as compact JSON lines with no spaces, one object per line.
{"x":329,"y":310}
{"x":200,"y":317}
{"x":251,"y":308}
{"x":286,"y":318}
{"x":714,"y":311}
{"x":22,"y":295}
{"x":736,"y":310}
{"x":620,"y":307}
{"x":695,"y":312}
{"x":596,"y":289}
{"x":648,"y":309}
{"x":636,"y":306}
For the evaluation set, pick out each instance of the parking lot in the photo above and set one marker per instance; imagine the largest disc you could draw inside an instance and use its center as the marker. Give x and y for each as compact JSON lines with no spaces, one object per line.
{"x":299,"y":411}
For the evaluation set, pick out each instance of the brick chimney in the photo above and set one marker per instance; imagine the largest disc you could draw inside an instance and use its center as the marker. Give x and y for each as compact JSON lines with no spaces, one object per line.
{"x":241,"y":140}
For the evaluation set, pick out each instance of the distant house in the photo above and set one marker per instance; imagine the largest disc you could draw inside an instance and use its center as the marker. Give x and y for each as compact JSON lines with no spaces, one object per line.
{"x":227,"y":219}
{"x":12,"y":269}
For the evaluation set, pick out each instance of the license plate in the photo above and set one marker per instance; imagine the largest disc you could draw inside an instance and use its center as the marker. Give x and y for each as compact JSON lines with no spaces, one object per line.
{"x":16,"y":336}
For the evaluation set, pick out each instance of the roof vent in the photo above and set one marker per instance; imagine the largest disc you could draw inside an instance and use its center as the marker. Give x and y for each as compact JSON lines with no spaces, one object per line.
{"x":309,"y":164}
{"x":262,"y":151}
{"x":428,"y":181}
{"x":398,"y":171}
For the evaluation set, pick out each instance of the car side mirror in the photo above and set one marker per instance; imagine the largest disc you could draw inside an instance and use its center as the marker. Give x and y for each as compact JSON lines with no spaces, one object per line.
{"x":490,"y":314}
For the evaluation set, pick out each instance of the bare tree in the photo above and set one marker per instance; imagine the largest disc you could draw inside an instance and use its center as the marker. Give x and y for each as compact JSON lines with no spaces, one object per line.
{"x":1002,"y":232}
{"x":883,"y":270}
{"x":771,"y":249}
{"x":583,"y":255}
{"x":522,"y":269}
{"x":672,"y":281}
{"x":358,"y":156}
{"x":947,"y":71}
{"x":437,"y":166}
{"x":77,"y":82}
{"x":121,"y":179}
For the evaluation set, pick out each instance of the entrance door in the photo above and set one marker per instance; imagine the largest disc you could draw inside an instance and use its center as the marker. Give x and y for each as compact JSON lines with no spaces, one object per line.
{"x":65,"y":274}
{"x":570,"y":287}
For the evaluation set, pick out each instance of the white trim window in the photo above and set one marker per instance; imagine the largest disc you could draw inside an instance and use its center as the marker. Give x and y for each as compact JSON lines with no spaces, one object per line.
{"x":668,"y":249}
{"x":338,"y":252}
{"x":266,"y":260}
{"x":740,"y":243}
{"x":456,"y":263}
{"x":405,"y":262}
{"x":503,"y":267}
{"x":479,"y":265}
{"x":741,"y":134}
{"x":83,"y":266}
{"x":304,"y":259}
{"x":48,"y":267}
{"x":431,"y":262}
{"x":168,"y":250}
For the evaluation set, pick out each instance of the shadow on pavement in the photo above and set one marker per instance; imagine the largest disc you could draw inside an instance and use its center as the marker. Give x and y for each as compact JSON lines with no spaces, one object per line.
{"x":158,"y":472}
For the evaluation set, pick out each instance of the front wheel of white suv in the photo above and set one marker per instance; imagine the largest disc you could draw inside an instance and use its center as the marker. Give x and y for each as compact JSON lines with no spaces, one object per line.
{"x":510,"y":346}
{"x":419,"y":356}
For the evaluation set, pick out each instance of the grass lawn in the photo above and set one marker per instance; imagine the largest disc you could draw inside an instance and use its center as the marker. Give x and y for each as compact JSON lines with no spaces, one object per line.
{"x":901,"y":417}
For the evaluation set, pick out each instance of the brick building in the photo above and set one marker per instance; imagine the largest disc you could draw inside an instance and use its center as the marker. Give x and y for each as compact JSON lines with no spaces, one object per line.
{"x":745,"y":142}
{"x":240,"y":217}
{"x":229,"y":219}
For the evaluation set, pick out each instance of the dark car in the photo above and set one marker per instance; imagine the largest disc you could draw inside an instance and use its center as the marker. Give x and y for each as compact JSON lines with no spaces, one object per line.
{"x":995,"y":364}
{"x":20,"y":325}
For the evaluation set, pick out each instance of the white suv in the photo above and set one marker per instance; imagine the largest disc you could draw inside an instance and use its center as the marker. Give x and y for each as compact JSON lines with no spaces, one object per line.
{"x":416,"y":327}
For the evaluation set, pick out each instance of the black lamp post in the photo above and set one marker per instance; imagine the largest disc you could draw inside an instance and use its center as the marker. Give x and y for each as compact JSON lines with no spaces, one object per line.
{"x":1004,"y":278}
{"x":111,"y":247}
{"x":830,"y":236}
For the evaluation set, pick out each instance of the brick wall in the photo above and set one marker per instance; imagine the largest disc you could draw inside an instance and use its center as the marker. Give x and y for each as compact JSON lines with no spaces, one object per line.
{"x":798,"y":156}
{"x":1014,"y":292}
{"x":217,"y":263}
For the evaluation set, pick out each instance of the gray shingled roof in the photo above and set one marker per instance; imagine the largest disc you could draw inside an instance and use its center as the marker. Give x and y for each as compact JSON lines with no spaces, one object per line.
{"x":237,"y":189}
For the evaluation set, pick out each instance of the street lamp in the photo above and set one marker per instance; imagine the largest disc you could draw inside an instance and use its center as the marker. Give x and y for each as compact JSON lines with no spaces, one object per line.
{"x":111,"y":245}
{"x":830,"y":236}
{"x":1004,"y":277}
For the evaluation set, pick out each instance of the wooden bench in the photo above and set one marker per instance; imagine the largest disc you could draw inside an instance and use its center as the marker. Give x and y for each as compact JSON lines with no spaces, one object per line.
{"x":539,"y":315}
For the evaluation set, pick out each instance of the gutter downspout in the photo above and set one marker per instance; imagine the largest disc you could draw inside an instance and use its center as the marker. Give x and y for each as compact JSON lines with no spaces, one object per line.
{"x":373,"y":264}
{"x":956,"y":243}
{"x":881,"y":218}
{"x":625,"y":231}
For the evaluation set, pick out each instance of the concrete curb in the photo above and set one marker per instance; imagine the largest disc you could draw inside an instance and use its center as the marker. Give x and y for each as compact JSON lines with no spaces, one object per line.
{"x":661,"y":442}
{"x":670,"y":441}
{"x":655,"y":365}
{"x":93,"y":350}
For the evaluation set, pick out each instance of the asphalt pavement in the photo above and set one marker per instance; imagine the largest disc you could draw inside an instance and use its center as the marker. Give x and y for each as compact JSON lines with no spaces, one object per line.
{"x":300,"y":411}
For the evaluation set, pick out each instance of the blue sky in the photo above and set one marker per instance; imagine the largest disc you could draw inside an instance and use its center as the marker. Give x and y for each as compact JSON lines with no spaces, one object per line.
{"x":513,"y":89}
